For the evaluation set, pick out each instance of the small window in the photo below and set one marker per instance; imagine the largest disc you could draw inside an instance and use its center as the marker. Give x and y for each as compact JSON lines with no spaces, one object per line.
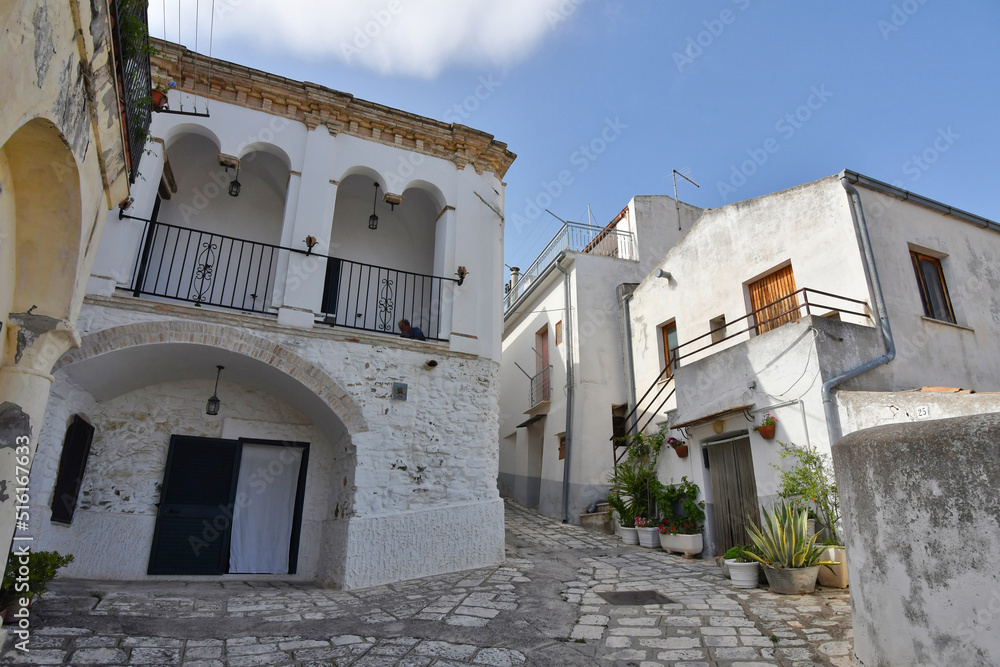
{"x":559,"y":332}
{"x":717,"y":325}
{"x":669,"y":333}
{"x":933,"y":290}
{"x":562,"y":446}
{"x":72,"y":463}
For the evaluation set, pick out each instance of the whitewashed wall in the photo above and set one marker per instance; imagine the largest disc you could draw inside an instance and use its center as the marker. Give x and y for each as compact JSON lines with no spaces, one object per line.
{"x":112,"y":529}
{"x":470,"y":235}
{"x":600,"y":380}
{"x":426,"y":468}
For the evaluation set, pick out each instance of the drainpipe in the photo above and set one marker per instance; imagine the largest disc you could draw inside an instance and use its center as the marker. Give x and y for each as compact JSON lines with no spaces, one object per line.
{"x":861,"y":225}
{"x":569,"y":387}
{"x":625,"y":291}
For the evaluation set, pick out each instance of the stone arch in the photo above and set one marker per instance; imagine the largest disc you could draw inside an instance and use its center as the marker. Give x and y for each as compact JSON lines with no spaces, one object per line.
{"x":265,"y":147}
{"x":43,"y":213}
{"x":241,"y":342}
{"x":362,"y":170}
{"x":178,"y":131}
{"x":433,"y":191}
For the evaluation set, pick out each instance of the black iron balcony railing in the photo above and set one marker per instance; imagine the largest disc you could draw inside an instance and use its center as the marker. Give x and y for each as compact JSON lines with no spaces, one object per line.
{"x":769,"y":316}
{"x":206,"y":268}
{"x":130,"y":40}
{"x":540,"y":389}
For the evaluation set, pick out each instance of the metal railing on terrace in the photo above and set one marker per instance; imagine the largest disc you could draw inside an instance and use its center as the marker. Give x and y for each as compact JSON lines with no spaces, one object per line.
{"x":574,"y":237}
{"x":540,"y":388}
{"x":130,"y":41}
{"x":766,"y":318}
{"x":206,"y":268}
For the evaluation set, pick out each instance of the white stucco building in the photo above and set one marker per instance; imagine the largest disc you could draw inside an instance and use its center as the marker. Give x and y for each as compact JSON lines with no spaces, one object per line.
{"x":777,"y":302}
{"x":574,"y":359}
{"x":342,"y":452}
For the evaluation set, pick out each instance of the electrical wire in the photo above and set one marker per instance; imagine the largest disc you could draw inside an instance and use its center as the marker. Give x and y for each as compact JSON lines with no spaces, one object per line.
{"x":211,"y":33}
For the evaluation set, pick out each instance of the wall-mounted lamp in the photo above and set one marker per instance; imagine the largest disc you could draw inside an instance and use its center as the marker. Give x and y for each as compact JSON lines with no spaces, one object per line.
{"x":234,"y":187}
{"x":212,"y":408}
{"x":373,"y":219}
{"x":392,"y":200}
{"x":310,"y":242}
{"x":461,"y":273}
{"x":124,"y":205}
{"x":660,"y":273}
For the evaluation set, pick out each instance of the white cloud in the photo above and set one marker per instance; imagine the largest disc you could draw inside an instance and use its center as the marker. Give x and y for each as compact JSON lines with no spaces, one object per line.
{"x":409,"y":37}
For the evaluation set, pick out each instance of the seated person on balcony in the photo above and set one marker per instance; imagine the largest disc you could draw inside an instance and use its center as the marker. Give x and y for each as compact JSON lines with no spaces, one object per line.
{"x":411,"y":332}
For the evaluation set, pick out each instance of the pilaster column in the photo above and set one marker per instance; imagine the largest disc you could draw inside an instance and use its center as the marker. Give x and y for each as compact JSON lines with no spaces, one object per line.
{"x":313,"y":215}
{"x":35,"y":342}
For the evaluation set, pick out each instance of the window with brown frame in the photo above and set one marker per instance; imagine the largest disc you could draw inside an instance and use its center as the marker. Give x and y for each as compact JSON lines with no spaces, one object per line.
{"x":669,"y":333}
{"x":933,"y":290}
{"x":559,"y":332}
{"x":773,"y":299}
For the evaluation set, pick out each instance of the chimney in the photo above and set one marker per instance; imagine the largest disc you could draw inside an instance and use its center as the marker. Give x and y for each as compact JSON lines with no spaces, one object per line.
{"x":515,"y":275}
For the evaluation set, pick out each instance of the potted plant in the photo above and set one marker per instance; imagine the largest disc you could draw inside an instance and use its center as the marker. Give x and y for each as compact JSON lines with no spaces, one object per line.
{"x":624,"y":519}
{"x":806,"y":479}
{"x":679,"y":446}
{"x":743,"y":569}
{"x":766,"y":427}
{"x":23,"y":581}
{"x":634,"y":482}
{"x":681,"y":532}
{"x":646,"y":530}
{"x":790,"y":558}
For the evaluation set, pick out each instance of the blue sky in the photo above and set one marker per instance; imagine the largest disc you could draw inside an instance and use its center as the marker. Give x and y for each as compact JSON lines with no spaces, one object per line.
{"x":746,"y":97}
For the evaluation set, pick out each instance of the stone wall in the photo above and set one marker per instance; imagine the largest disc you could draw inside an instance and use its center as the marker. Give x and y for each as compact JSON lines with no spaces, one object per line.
{"x":922,"y":529}
{"x":112,"y":528}
{"x":420,"y":467}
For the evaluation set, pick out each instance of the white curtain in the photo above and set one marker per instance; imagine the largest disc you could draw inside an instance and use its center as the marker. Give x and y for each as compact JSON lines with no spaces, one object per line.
{"x":265,"y":504}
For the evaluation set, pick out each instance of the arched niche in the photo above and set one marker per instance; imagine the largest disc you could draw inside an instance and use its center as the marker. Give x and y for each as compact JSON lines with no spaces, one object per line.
{"x":42,"y":213}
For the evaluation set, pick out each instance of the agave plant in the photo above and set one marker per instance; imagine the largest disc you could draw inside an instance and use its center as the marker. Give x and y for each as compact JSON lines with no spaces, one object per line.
{"x":783,"y":542}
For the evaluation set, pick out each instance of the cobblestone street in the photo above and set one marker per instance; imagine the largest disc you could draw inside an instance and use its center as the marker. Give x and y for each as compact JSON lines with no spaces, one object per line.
{"x":542,"y":607}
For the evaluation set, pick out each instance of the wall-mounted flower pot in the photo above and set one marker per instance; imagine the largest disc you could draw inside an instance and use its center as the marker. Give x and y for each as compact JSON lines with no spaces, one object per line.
{"x":159,"y":100}
{"x":766,"y":432}
{"x":682,"y":451}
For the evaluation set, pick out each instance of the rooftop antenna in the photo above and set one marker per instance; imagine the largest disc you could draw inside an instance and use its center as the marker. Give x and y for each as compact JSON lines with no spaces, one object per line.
{"x":590,"y":217}
{"x":556,"y":217}
{"x":677,"y":203}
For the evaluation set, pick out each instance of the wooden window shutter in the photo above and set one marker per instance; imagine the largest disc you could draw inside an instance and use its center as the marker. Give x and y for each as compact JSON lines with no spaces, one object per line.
{"x":773,"y":300}
{"x":72,"y":465}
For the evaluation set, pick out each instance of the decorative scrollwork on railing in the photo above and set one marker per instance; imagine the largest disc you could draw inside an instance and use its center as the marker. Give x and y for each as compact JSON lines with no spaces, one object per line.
{"x":205,"y":272}
{"x":386,"y":306}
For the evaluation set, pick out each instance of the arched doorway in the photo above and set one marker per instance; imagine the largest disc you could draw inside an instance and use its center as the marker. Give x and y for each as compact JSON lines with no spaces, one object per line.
{"x":144,"y":395}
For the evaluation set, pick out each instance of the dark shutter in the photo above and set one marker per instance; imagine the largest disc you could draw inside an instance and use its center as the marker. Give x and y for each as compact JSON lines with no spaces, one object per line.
{"x":72,"y":464}
{"x":331,"y":291}
{"x":734,"y":492}
{"x":194,"y":521}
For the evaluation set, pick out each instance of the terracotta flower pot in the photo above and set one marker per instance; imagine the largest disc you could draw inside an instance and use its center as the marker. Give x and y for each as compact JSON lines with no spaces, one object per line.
{"x":682,"y":451}
{"x":766,"y":432}
{"x":159,"y":100}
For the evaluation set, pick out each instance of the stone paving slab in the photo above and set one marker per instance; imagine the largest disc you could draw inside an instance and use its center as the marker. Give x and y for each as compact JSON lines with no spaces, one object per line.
{"x":541,"y":607}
